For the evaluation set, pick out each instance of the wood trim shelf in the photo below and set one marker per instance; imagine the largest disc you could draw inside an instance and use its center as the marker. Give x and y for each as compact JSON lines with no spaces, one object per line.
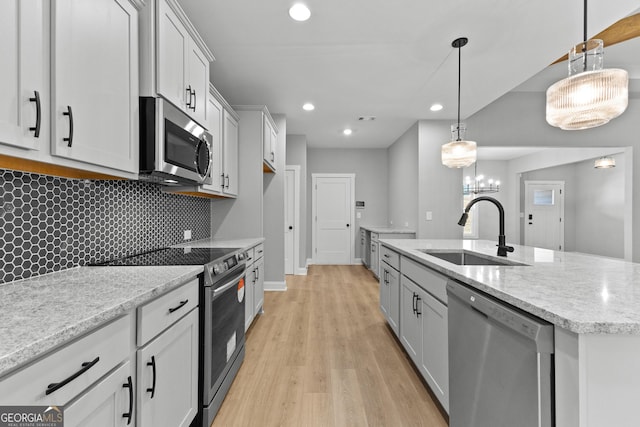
{"x":33,"y":166}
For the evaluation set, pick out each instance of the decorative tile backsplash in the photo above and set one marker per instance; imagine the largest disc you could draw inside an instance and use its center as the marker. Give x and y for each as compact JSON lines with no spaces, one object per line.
{"x":49,"y":223}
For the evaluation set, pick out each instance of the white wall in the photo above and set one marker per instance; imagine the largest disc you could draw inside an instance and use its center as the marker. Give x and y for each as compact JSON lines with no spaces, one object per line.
{"x":439,"y":187}
{"x":297,"y":155}
{"x":403,"y":180}
{"x":273,"y":209}
{"x":600,"y":208}
{"x":370,"y":167}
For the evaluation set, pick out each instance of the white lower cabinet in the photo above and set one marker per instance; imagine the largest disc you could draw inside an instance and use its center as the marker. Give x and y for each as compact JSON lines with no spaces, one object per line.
{"x":424,"y":329}
{"x":167,"y":371}
{"x":410,"y":334}
{"x":94,"y":377}
{"x":249,"y":284}
{"x":254,"y":284}
{"x":434,"y":360}
{"x":110,"y":403}
{"x":390,"y":295}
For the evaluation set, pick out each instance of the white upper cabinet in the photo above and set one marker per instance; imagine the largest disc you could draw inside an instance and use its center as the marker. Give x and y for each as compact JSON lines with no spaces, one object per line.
{"x":95,"y":82}
{"x":230,"y":156}
{"x":24,"y":88}
{"x":216,"y":116}
{"x":174,"y":61}
{"x":269,"y":140}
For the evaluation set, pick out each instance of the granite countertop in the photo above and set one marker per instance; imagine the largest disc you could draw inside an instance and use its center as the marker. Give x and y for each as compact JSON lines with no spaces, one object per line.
{"x":222,"y":243}
{"x":384,"y":229}
{"x":581,"y":293}
{"x":40,"y":313}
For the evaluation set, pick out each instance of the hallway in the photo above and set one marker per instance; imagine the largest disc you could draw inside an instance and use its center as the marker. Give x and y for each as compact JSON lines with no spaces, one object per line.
{"x":322,"y":355}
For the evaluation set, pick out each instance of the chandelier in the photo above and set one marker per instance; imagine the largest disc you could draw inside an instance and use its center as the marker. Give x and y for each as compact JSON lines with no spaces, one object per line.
{"x":591,"y":95}
{"x":478,"y":186}
{"x":458,"y":153}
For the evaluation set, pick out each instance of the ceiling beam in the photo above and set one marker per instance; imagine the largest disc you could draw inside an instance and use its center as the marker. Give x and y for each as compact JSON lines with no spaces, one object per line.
{"x":623,"y":30}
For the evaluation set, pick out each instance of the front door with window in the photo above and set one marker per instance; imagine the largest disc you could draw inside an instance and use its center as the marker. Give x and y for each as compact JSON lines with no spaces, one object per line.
{"x":544,"y":214}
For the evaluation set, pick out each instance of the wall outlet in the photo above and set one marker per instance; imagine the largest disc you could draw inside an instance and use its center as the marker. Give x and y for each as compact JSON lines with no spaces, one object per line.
{"x":429,"y":216}
{"x":187,"y":234}
{"x":406,"y":224}
{"x":358,"y":215}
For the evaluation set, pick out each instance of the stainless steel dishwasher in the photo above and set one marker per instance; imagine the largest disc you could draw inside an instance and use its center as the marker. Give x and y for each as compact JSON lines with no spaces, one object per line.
{"x":500,"y":363}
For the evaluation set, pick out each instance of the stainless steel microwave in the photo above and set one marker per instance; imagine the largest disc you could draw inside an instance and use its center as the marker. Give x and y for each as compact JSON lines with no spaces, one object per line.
{"x":174,"y":149}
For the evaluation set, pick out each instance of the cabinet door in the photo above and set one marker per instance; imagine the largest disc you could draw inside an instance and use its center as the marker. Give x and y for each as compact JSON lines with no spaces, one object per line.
{"x":24,"y":92}
{"x":249,"y":286}
{"x":95,"y":82}
{"x":384,"y":290}
{"x":109,"y":403}
{"x":198,"y":69}
{"x":172,"y":55}
{"x":434,"y":363}
{"x":375,"y":259}
{"x":230,"y":153}
{"x":410,"y":323}
{"x":393,"y":311}
{"x":215,"y":115}
{"x":168,"y":376}
{"x":266,"y":140}
{"x":258,"y":291}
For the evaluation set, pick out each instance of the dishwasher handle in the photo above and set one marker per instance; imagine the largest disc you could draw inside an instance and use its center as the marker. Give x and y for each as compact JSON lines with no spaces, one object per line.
{"x":536,"y":330}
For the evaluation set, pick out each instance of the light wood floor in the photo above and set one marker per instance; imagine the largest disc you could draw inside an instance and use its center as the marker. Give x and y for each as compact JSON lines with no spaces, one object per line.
{"x":322,"y":355}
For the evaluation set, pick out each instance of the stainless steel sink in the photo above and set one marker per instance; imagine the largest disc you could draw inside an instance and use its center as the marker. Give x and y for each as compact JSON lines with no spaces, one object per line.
{"x":464,"y":257}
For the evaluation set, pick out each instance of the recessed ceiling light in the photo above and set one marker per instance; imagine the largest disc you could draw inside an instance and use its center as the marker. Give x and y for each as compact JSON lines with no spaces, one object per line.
{"x":308,"y":107}
{"x":436,"y":107}
{"x":299,"y":12}
{"x":347,"y":131}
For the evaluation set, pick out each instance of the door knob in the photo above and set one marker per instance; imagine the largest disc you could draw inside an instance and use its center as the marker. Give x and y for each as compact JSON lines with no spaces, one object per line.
{"x":347,"y":225}
{"x":290,"y":227}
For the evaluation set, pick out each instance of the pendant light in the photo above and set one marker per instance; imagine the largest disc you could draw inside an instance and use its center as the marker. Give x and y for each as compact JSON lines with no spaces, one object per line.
{"x":458,"y":153}
{"x":591,"y":95}
{"x":605,"y":162}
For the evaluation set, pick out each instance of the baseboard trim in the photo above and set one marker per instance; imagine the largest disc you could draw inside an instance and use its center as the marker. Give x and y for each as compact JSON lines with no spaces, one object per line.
{"x":301,"y":271}
{"x":275,"y":286}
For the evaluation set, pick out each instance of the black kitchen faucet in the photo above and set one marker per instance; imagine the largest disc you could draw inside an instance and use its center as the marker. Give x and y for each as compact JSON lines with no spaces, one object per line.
{"x":502,"y":246}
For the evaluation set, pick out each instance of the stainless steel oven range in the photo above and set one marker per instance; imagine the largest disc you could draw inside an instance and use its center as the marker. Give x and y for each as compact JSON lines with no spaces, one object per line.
{"x":222,"y":306}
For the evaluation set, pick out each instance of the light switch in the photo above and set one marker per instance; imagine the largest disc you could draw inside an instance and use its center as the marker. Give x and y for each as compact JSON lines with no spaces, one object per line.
{"x":358,"y":215}
{"x":187,"y":234}
{"x":429,"y":216}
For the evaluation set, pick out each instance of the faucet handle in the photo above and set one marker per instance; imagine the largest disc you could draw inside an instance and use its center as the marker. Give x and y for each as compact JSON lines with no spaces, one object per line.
{"x":503,"y":249}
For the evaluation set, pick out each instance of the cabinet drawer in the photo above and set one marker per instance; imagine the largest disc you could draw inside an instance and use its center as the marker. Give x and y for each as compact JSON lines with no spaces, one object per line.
{"x":429,"y":280}
{"x":99,"y":352}
{"x":363,"y":233}
{"x":390,"y":257}
{"x":161,"y":313}
{"x":375,"y":236}
{"x":251,"y":256}
{"x":259,"y":251}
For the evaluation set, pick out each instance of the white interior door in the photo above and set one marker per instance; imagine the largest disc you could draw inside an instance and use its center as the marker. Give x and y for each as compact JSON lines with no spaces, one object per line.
{"x":544,"y":214}
{"x":289,"y":218}
{"x":333,"y":200}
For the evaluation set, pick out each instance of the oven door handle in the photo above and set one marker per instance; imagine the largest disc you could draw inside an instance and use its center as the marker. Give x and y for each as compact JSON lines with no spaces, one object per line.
{"x":229,"y":284}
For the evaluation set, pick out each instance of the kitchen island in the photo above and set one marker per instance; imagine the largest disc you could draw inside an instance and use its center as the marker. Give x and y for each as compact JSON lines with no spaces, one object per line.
{"x":593,"y":303}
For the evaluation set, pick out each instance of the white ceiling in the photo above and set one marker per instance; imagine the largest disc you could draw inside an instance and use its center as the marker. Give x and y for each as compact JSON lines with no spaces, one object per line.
{"x":389,"y":59}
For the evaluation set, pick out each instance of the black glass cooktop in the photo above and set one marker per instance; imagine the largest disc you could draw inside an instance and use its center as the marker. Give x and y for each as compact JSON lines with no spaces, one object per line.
{"x":173,"y":256}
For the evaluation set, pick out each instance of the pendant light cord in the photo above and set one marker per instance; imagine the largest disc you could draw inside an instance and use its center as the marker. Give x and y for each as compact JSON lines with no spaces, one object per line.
{"x":459,"y":72}
{"x":584,"y":38}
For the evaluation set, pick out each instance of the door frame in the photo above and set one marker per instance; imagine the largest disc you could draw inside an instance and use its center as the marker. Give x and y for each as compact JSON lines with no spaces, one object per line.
{"x":528,"y":183}
{"x":352,"y":201}
{"x":296,"y":218}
